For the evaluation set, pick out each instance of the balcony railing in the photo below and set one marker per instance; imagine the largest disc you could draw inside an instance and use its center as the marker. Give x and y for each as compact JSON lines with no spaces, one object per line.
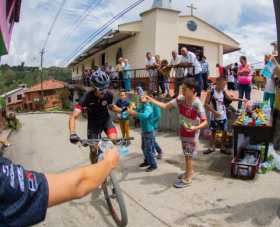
{"x":139,"y":77}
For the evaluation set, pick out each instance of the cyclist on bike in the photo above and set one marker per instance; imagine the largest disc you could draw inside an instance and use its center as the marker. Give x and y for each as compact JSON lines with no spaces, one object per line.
{"x":97,"y":103}
{"x":26,"y":195}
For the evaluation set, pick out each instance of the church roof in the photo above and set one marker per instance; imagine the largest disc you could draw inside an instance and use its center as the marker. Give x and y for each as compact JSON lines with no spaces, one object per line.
{"x":213,"y":27}
{"x":109,"y":39}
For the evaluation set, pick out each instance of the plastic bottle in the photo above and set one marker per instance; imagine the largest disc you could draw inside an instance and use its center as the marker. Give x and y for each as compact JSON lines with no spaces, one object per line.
{"x":140,"y":91}
{"x":267,"y":112}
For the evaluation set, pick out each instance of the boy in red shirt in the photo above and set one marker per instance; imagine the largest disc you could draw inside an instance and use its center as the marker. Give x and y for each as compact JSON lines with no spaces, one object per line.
{"x":192,"y":119}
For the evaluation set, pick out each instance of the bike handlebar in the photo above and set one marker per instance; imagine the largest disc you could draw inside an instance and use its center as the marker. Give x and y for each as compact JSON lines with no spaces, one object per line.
{"x":93,"y":142}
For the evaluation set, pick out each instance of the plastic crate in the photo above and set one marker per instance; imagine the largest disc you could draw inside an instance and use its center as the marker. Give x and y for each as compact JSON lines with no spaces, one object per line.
{"x":244,"y":170}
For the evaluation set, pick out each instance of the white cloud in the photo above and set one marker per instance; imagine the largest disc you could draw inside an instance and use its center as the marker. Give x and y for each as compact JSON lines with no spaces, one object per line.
{"x":37,"y":15}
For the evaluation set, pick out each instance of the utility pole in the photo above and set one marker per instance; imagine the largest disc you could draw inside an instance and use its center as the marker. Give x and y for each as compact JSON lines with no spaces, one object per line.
{"x":41,"y":77}
{"x":277,"y":16}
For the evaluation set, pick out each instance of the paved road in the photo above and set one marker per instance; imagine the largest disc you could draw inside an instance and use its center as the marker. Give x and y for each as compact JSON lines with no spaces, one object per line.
{"x":214,"y":199}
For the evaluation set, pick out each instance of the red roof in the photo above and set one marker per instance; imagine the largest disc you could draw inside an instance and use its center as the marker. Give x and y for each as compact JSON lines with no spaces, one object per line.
{"x":47,"y":85}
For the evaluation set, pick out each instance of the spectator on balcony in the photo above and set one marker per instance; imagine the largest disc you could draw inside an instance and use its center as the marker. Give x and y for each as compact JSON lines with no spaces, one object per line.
{"x":192,"y":68}
{"x":177,"y":72}
{"x":159,"y":76}
{"x":127,"y":75}
{"x":85,"y":76}
{"x":119,"y":69}
{"x":150,"y":62}
{"x":165,"y":75}
{"x":113,"y":74}
{"x":106,"y":67}
{"x":205,"y":72}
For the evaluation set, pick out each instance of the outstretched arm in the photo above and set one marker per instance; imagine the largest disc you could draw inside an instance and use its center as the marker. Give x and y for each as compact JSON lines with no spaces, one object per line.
{"x":77,"y":183}
{"x":162,"y":105}
{"x":115,"y":108}
{"x":234,"y":99}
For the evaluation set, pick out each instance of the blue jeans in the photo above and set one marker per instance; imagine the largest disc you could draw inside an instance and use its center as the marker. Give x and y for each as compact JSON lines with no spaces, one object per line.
{"x":157,"y":147}
{"x":244,"y":90}
{"x":127,"y":84}
{"x":167,"y":87}
{"x":148,"y":148}
{"x":199,"y":80}
{"x":269,"y":97}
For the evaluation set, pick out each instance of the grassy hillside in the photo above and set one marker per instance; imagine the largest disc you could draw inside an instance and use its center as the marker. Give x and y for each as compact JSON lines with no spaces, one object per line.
{"x":12,"y":76}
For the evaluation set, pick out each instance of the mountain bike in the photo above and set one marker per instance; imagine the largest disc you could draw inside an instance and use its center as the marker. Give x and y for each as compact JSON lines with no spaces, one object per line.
{"x":112,"y":191}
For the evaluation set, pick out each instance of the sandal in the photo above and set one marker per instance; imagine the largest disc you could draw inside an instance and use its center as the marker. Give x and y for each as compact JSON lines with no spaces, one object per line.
{"x":183,"y":175}
{"x":181,"y":183}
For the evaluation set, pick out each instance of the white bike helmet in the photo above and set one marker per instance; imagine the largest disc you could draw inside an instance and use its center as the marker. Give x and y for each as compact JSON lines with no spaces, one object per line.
{"x":100,"y":80}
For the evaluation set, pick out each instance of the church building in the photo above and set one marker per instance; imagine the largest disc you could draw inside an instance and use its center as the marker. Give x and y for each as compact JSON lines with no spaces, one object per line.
{"x":160,"y":30}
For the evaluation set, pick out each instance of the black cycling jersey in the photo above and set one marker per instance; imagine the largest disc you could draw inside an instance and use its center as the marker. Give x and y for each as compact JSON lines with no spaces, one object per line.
{"x":23,"y":195}
{"x":97,"y":108}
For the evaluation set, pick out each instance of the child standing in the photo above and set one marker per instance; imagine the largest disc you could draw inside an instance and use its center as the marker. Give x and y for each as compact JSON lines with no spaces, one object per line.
{"x":123,"y":103}
{"x":144,"y":112}
{"x":268,"y":74}
{"x":217,"y":101}
{"x":193,"y":118}
{"x":231,"y":80}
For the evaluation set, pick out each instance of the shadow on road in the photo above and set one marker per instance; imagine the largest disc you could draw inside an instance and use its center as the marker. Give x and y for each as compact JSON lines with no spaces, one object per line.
{"x":97,"y":201}
{"x":216,"y":165}
{"x":261,"y":212}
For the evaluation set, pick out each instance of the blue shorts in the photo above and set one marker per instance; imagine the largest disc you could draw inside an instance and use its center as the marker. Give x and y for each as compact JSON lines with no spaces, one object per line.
{"x":218,"y":125}
{"x":23,"y":195}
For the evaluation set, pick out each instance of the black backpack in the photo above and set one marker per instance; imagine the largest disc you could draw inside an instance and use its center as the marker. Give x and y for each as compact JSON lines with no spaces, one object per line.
{"x":227,"y":101}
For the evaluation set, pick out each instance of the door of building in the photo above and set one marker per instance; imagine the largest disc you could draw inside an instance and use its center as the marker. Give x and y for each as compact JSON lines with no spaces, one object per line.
{"x":197,"y":50}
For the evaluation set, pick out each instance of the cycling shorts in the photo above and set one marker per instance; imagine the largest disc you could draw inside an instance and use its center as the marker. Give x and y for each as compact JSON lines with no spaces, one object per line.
{"x":97,"y":128}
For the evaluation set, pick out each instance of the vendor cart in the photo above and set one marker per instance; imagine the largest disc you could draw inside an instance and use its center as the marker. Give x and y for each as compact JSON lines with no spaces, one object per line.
{"x":241,"y":166}
{"x":258,"y":135}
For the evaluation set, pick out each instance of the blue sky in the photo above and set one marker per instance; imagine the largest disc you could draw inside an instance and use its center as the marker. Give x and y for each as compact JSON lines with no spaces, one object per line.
{"x":251,"y":22}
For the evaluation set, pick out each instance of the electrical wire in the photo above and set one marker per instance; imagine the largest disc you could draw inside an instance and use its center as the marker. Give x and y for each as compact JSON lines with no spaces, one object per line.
{"x":99,"y":31}
{"x":80,"y":20}
{"x":53,"y":24}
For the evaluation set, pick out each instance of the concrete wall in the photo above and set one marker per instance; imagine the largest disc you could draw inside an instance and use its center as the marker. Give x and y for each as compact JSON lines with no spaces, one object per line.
{"x":169,"y":120}
{"x":166,"y":33}
{"x":132,"y":49}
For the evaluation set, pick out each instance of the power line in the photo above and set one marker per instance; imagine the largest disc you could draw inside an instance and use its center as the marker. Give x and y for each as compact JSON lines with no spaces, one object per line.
{"x":43,"y":51}
{"x":100,"y":30}
{"x":81,"y":19}
{"x":53,"y":24}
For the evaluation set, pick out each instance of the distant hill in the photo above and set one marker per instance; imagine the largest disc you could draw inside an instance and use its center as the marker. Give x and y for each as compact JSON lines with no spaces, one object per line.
{"x":12,"y":76}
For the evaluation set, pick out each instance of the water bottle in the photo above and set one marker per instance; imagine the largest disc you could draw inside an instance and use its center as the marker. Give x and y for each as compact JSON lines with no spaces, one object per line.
{"x":140,"y":91}
{"x":123,"y":151}
{"x":267,"y":111}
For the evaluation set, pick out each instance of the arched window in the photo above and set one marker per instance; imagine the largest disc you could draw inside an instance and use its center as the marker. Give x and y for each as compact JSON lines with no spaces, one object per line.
{"x":119,"y":54}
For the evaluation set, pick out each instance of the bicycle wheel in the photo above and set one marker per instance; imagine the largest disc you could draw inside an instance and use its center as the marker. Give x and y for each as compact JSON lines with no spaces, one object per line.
{"x":114,"y":199}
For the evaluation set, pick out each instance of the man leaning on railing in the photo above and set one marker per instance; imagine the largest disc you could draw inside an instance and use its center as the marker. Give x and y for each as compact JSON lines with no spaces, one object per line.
{"x":150,"y":67}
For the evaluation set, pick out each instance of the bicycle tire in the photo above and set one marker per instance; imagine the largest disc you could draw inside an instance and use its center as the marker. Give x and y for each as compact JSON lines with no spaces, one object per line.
{"x":122,"y":220}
